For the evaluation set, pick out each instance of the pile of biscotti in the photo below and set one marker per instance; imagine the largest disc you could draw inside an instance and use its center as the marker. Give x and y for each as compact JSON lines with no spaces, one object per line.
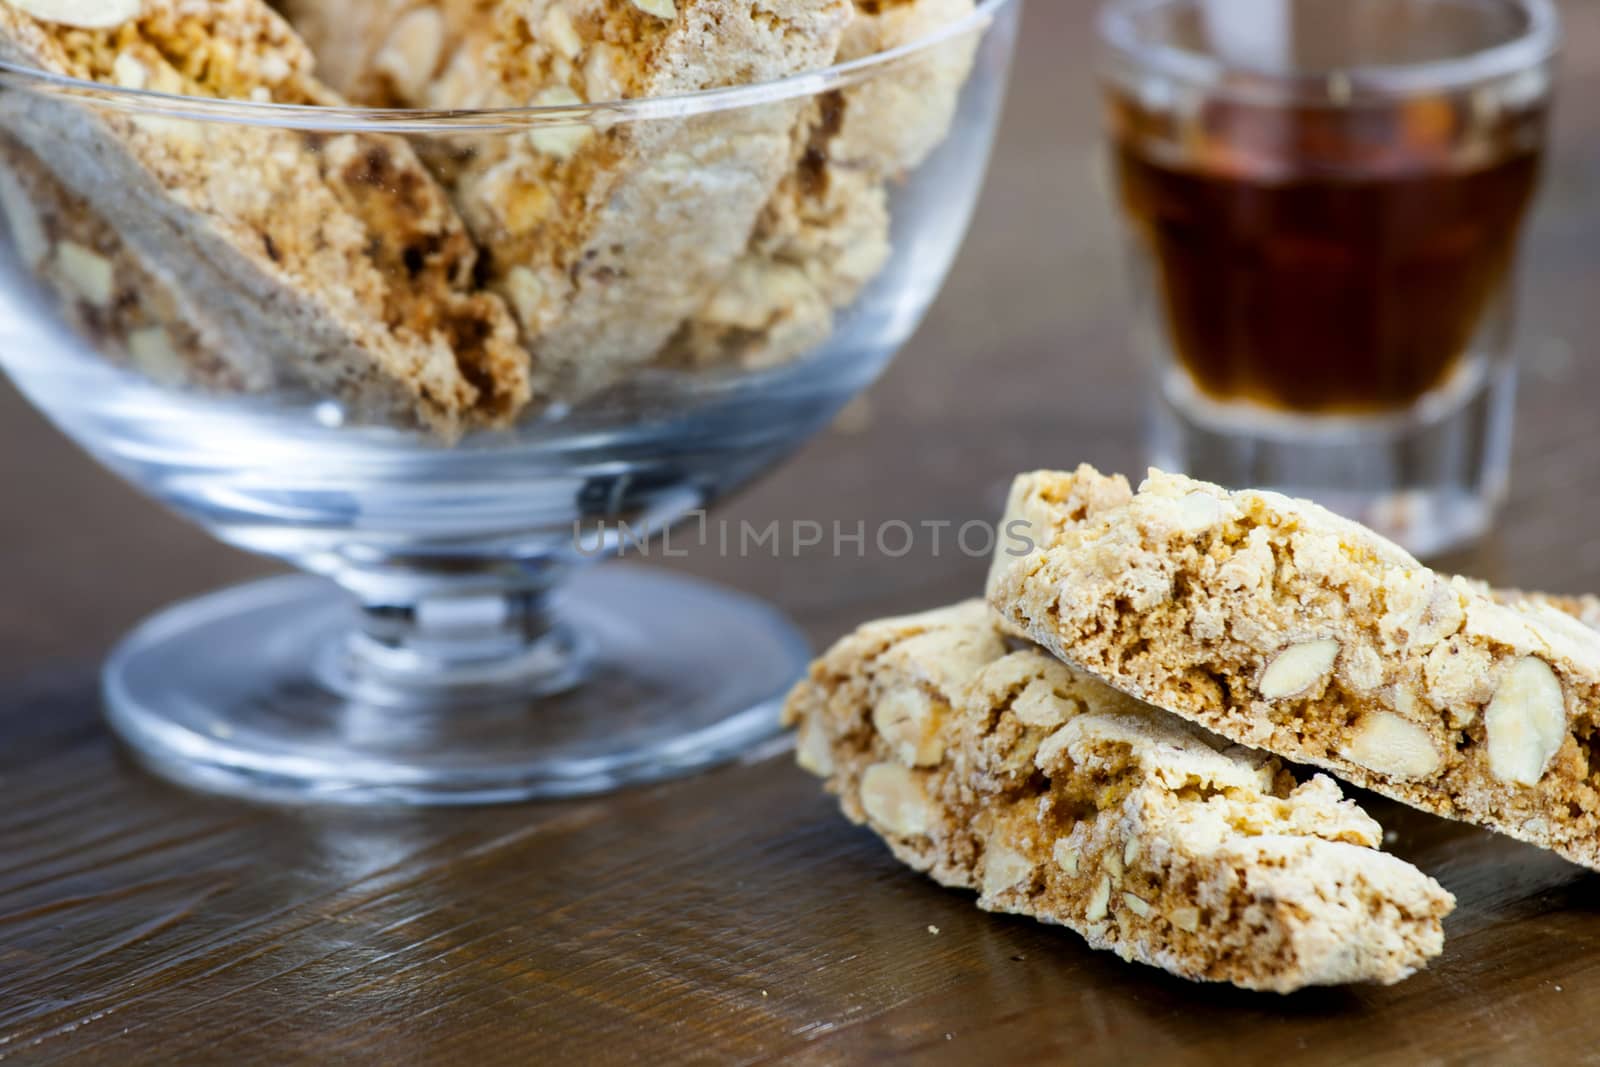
{"x":459,"y":281}
{"x":1098,"y":745}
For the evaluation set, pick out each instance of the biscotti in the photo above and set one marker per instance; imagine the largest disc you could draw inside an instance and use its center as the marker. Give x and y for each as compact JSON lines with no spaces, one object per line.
{"x":332,"y":263}
{"x":825,"y":235}
{"x":1056,"y":797}
{"x":377,"y":53}
{"x":1282,"y":626}
{"x":605,"y":239}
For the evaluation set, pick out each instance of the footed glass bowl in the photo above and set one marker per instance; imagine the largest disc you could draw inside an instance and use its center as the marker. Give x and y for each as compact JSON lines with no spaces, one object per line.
{"x":442,"y":360}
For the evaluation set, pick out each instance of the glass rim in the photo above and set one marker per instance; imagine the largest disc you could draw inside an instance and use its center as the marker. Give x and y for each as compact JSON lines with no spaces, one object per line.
{"x":321,"y":118}
{"x":1537,"y":44}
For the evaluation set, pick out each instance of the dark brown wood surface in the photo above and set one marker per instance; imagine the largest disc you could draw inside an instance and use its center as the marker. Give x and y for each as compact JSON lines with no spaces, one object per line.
{"x":736,"y":917}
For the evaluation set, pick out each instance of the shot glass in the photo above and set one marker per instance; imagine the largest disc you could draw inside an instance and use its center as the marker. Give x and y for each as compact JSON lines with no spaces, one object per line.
{"x":1324,"y":200}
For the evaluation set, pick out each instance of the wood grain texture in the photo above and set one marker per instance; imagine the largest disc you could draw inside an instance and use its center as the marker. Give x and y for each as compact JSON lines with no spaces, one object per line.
{"x":737,"y":917}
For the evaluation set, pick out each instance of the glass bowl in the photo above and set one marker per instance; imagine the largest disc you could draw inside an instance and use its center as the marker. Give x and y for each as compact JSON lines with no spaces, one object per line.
{"x":444,"y":358}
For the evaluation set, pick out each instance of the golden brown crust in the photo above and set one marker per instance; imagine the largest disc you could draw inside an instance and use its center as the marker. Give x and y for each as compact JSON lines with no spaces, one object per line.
{"x":1056,"y":797}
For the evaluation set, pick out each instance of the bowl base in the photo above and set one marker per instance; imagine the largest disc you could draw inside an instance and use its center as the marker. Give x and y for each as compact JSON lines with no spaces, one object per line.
{"x":224,"y":693}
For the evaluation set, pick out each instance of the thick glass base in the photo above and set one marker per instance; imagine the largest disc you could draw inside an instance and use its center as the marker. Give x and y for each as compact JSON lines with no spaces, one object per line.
{"x":1429,"y":479}
{"x":645,"y":675}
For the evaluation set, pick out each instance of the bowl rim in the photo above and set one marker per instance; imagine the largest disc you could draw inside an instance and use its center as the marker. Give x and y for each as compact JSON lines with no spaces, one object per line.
{"x":317,"y":117}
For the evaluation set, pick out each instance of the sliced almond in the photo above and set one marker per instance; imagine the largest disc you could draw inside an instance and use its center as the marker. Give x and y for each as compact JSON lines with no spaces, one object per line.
{"x":85,"y":14}
{"x":559,"y":31}
{"x":87,"y":272}
{"x":528,"y":297}
{"x":1526,"y":721}
{"x":1386,"y":743}
{"x":565,"y":140}
{"x":1099,"y":900}
{"x":154,"y":354}
{"x":128,"y":72}
{"x":275,"y":67}
{"x":1194,"y":512}
{"x":1038,"y":705}
{"x":1004,"y":868}
{"x":1298,"y":668}
{"x":28,"y":235}
{"x":812,"y":751}
{"x":894,"y":799}
{"x":661,"y":9}
{"x":410,"y":56}
{"x":1111,"y":861}
{"x":1066,"y":856}
{"x":908,"y":719}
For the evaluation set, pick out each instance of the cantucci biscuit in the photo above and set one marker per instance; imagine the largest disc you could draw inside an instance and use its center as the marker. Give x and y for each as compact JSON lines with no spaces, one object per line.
{"x":1056,"y":797}
{"x":603,"y":238}
{"x":330,"y":262}
{"x":825,"y":235}
{"x":1282,"y":626}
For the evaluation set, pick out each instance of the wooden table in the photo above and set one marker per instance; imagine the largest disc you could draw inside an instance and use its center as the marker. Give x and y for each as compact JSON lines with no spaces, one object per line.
{"x":736,"y":917}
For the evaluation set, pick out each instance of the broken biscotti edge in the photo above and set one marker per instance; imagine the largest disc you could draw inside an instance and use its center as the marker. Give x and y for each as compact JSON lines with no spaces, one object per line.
{"x":1284,"y":627}
{"x":1055,"y":797}
{"x":329,"y":263}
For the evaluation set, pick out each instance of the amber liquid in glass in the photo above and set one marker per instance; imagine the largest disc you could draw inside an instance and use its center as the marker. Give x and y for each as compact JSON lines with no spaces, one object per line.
{"x":1315,"y":292}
